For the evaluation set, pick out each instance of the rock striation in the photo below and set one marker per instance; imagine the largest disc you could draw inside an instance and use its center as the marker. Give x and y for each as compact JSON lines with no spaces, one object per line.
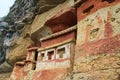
{"x":72,"y":39}
{"x":15,"y":30}
{"x":19,"y":19}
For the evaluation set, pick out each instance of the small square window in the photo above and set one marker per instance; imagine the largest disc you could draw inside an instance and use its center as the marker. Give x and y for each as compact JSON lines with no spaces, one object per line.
{"x":50,"y":54}
{"x":42,"y":56}
{"x":88,"y":9}
{"x":61,"y":52}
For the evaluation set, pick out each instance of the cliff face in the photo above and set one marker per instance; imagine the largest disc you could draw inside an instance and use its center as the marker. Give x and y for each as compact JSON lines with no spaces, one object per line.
{"x":15,"y":31}
{"x":20,"y":18}
{"x":96,"y":49}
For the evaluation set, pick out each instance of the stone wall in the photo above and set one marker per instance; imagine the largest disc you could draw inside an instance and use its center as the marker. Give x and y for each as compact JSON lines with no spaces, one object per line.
{"x":98,"y":41}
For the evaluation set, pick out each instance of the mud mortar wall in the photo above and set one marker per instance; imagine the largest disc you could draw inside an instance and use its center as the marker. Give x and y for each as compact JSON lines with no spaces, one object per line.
{"x":98,"y":41}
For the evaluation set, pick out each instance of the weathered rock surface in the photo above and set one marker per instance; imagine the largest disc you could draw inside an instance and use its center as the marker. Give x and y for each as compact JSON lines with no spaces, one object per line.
{"x":100,"y":67}
{"x":5,"y":76}
{"x":45,"y":5}
{"x":5,"y":67}
{"x":15,"y":34}
{"x":2,"y":38}
{"x":97,"y":55}
{"x":22,"y":14}
{"x":40,"y":20}
{"x":5,"y":71}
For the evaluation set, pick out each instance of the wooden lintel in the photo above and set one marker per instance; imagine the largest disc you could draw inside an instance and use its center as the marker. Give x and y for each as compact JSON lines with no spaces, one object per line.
{"x":22,"y":63}
{"x":30,"y":61}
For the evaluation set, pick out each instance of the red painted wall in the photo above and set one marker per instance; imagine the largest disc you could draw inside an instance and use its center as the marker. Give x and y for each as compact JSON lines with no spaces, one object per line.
{"x":109,"y":42}
{"x":55,"y":74}
{"x":58,"y":27}
{"x":58,"y":39}
{"x":62,"y":20}
{"x":98,"y":4}
{"x":17,"y":73}
{"x":102,"y":46}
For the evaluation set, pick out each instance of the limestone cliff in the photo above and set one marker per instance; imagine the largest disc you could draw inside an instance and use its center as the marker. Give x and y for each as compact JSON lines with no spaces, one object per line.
{"x":16,"y":28}
{"x":20,"y":17}
{"x":95,"y":50}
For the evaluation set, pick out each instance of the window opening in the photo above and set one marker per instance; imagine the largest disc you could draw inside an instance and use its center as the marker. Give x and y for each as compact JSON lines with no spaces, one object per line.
{"x":88,"y":9}
{"x":36,"y":55}
{"x":61,"y":52}
{"x":109,"y":1}
{"x":50,"y":54}
{"x":42,"y":56}
{"x":34,"y":68}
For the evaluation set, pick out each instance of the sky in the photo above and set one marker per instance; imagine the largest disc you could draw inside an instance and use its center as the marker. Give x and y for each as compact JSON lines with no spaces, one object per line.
{"x":5,"y":6}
